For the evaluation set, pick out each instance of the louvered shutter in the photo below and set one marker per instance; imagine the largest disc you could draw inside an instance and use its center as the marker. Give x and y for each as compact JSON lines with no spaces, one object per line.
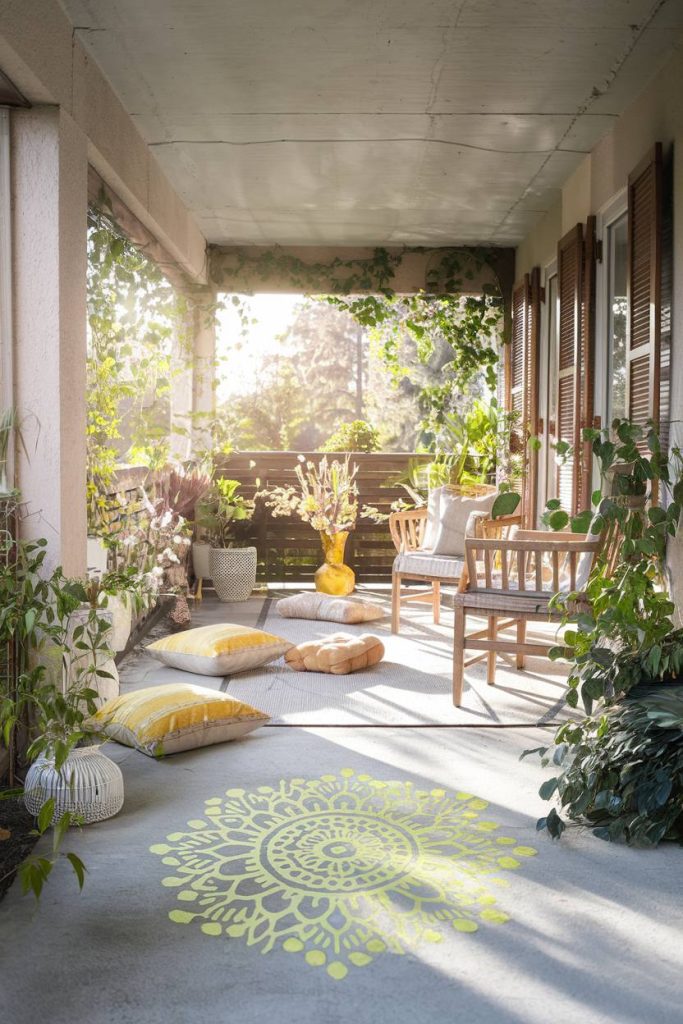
{"x":586,"y":363}
{"x":570,"y":294}
{"x":644,"y":289}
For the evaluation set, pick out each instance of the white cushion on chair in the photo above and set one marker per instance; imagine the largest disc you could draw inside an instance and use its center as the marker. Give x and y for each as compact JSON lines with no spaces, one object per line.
{"x":426,"y":563}
{"x":432,"y":524}
{"x":454,"y":512}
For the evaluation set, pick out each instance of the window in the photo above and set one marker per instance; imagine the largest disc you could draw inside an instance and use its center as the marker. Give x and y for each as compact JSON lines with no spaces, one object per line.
{"x":616,"y":245}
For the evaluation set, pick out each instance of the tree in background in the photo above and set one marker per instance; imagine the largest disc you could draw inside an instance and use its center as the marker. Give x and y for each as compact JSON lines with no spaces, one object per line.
{"x":358,"y":436}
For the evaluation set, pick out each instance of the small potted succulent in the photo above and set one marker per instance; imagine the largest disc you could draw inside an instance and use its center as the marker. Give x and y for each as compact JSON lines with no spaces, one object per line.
{"x":223,"y":524}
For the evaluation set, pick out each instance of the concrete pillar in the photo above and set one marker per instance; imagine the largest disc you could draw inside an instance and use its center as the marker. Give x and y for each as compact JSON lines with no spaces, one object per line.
{"x":182,"y":390}
{"x":49,"y":193}
{"x":204,"y":371}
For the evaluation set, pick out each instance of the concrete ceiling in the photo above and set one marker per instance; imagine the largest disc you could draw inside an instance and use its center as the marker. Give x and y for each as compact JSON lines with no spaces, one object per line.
{"x":374,"y":122}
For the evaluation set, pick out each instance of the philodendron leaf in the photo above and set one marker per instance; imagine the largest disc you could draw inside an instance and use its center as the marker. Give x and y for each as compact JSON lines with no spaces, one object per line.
{"x":547,"y":789}
{"x":558,"y":520}
{"x":505,"y":504}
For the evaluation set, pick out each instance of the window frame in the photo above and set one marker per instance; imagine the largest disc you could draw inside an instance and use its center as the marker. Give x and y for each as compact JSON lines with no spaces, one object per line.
{"x":607,"y":217}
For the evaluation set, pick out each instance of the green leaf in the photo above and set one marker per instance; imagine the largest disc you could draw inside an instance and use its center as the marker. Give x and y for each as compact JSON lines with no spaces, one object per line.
{"x":45,"y":814}
{"x":558,"y":520}
{"x":547,"y":789}
{"x":78,"y":866}
{"x":505,"y":504}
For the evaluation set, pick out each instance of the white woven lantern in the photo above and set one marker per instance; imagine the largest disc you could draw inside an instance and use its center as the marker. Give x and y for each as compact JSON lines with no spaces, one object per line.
{"x":89,"y":785}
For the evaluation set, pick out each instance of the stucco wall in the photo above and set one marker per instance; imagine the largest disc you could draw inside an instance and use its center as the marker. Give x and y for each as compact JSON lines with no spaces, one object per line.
{"x":656,"y":116}
{"x":45,"y":59}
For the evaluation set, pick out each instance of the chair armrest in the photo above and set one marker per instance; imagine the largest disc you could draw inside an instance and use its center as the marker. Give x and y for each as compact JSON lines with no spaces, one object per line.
{"x":407,"y":528}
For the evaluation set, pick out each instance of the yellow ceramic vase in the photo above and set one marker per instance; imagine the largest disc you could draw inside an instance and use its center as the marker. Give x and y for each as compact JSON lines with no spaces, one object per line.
{"x":333,"y":577}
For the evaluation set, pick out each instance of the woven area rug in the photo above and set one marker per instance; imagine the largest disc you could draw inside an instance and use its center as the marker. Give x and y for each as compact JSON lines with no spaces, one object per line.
{"x":411,"y":687}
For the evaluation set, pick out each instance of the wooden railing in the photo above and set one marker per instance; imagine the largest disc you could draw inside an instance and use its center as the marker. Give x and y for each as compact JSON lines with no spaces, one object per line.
{"x":288,"y":550}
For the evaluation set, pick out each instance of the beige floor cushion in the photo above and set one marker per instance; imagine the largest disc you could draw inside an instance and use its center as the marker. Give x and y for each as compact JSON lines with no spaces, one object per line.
{"x":312,"y":605}
{"x":338,"y":654}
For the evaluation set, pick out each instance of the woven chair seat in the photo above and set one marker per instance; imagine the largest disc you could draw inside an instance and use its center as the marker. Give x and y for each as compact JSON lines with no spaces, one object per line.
{"x":424,"y":563}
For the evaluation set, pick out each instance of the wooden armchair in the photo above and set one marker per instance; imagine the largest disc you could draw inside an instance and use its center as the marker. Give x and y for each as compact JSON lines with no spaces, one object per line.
{"x":511,"y":581}
{"x":408,"y":532}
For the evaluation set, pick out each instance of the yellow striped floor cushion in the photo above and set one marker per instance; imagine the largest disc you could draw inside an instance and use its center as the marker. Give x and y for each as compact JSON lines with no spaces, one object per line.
{"x":218,"y":650}
{"x":176,"y":716}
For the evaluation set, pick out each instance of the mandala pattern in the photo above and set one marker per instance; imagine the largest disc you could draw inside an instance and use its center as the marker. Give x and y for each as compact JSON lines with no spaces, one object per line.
{"x":339,"y":869}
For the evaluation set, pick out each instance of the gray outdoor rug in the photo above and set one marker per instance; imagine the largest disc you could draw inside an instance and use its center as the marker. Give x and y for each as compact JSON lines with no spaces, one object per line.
{"x":411,"y":687}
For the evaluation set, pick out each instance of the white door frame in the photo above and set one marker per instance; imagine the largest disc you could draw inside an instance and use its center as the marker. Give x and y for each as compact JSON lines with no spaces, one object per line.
{"x":612,"y":211}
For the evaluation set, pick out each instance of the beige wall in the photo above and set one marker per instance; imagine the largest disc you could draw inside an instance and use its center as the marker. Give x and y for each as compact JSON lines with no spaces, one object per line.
{"x":656,"y":116}
{"x":44,"y":58}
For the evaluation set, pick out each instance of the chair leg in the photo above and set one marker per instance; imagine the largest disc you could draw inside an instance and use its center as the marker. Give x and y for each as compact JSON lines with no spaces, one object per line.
{"x":521,"y":638}
{"x":458,"y":655}
{"x":395,"y":602}
{"x":436,"y":602}
{"x":491,"y":656}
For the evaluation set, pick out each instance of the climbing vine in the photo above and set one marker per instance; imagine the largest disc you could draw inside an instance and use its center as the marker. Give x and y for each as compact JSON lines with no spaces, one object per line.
{"x":135,"y":317}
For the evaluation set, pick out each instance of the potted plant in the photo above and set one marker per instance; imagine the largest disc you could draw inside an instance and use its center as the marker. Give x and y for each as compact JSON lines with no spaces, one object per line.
{"x":622,"y":645}
{"x":165,"y":535}
{"x":327,"y":498}
{"x":58,"y":666}
{"x":224,"y":520}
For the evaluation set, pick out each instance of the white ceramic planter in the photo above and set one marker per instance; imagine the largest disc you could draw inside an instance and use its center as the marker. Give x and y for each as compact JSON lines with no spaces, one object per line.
{"x":121,"y":611}
{"x":107,"y":688}
{"x":233,"y":571}
{"x":97,"y":556}
{"x":200,"y":560}
{"x":89,"y":784}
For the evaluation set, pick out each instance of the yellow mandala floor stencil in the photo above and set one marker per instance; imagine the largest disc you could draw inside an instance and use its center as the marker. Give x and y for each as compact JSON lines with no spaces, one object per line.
{"x":340,"y":869}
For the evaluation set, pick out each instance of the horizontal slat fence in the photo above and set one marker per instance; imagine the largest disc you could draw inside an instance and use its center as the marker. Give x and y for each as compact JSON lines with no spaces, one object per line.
{"x":289,"y":551}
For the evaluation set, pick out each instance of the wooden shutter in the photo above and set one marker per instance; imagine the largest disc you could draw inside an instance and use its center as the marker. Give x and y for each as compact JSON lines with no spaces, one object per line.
{"x":570,"y":294}
{"x":586,"y":365}
{"x":644,"y":289}
{"x":523,"y":381}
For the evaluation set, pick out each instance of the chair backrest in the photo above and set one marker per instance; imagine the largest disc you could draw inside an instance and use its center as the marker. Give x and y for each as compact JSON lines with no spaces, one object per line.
{"x":535,"y":567}
{"x":407,"y":529}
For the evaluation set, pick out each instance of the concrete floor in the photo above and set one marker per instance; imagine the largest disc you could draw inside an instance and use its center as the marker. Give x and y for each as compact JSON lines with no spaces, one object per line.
{"x":591,"y":936}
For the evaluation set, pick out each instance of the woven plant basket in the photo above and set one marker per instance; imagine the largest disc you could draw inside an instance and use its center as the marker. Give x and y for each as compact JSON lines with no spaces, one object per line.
{"x":233,"y":571}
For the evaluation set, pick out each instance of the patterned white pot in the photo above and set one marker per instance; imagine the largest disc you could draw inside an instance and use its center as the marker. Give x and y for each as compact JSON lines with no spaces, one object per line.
{"x":89,"y":784}
{"x":233,"y":571}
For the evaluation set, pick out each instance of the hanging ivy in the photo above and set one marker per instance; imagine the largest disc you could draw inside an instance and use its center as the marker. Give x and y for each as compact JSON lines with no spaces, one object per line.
{"x":446,"y":311}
